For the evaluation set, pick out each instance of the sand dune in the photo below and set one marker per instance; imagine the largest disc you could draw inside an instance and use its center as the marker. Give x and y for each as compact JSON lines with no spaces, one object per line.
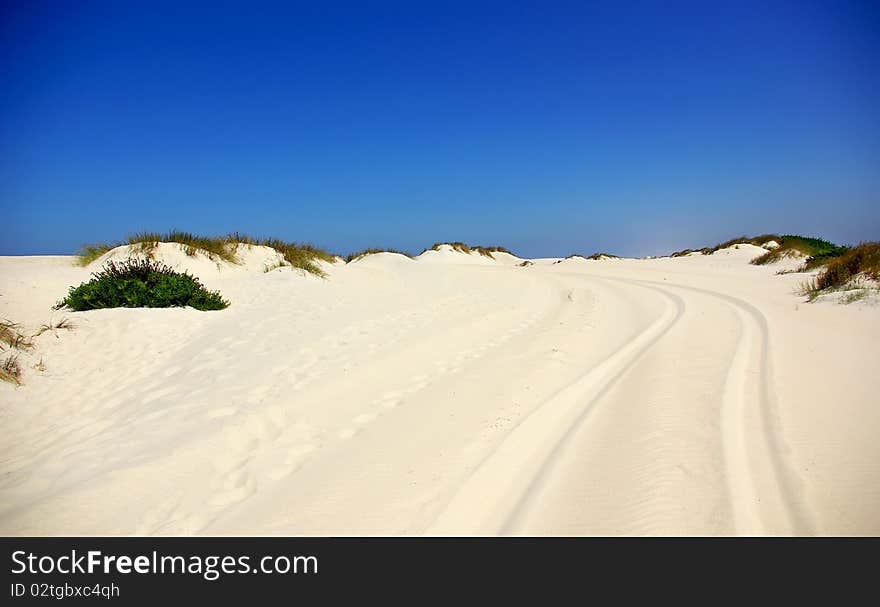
{"x":446,"y":394}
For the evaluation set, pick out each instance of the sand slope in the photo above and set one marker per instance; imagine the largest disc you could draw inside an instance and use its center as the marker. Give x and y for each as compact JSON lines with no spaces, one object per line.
{"x":451,"y":393}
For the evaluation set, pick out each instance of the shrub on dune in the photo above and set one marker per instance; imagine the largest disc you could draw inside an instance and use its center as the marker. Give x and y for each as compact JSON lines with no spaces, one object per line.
{"x":817,"y":251}
{"x":141,"y":283}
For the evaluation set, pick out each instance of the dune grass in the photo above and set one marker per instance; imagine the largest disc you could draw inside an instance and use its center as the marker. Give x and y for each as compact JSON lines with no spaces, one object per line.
{"x":593,"y":257}
{"x":297,"y":255}
{"x":462,"y":247}
{"x":12,"y":337}
{"x":817,"y":251}
{"x":860,"y":261}
{"x":213,"y":247}
{"x":10,"y":370}
{"x":90,"y":252}
{"x":54,"y":326}
{"x":371,"y":251}
{"x":758,"y":241}
{"x":300,"y":256}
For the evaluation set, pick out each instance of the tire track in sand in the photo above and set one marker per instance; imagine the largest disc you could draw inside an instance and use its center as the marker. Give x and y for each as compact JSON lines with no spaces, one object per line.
{"x":763,"y":489}
{"x":491,"y":498}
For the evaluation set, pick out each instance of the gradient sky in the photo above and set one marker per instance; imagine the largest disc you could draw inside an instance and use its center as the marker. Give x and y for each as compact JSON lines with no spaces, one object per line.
{"x":552,"y":128}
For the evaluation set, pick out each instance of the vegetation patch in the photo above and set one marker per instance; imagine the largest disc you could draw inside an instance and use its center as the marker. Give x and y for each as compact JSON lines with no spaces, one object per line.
{"x":90,"y":252}
{"x":861,"y":262}
{"x":758,"y":241}
{"x":466,"y":248}
{"x":600,"y":256}
{"x":141,"y":283}
{"x":214,"y":248}
{"x":301,"y":256}
{"x":365,"y":252}
{"x":817,"y":251}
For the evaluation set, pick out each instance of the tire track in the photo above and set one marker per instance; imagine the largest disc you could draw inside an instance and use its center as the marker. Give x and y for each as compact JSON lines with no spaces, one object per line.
{"x":762,"y":489}
{"x":506,"y":481}
{"x":761,"y":504}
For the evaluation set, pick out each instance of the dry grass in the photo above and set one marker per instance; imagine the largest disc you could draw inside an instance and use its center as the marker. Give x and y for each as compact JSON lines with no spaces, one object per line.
{"x":213,"y":247}
{"x":297,"y":255}
{"x":11,"y":335}
{"x":10,"y":370}
{"x":462,"y":247}
{"x":90,"y":252}
{"x":64,"y":323}
{"x":758,"y":241}
{"x":372,"y":251}
{"x":860,"y":261}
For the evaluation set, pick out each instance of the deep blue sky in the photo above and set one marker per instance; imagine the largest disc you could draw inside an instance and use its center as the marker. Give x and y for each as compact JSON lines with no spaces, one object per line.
{"x":549,"y":127}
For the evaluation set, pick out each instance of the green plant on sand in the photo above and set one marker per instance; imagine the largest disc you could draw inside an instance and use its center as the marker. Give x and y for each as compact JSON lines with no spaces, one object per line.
{"x":141,"y":283}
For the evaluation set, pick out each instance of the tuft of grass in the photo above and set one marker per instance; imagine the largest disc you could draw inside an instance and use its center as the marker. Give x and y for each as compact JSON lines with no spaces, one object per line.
{"x":371,"y":251}
{"x":301,"y":256}
{"x":141,"y":283}
{"x":64,"y":323}
{"x":11,"y":335}
{"x":862,"y":260}
{"x":598,"y":256}
{"x":10,"y":370}
{"x":90,"y":252}
{"x":526,"y":264}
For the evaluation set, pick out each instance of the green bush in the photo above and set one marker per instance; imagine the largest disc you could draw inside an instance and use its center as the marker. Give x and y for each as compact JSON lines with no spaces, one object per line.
{"x":141,"y":283}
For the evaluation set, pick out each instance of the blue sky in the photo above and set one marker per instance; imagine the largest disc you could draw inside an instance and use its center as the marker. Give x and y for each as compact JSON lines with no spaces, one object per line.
{"x":551,"y":128}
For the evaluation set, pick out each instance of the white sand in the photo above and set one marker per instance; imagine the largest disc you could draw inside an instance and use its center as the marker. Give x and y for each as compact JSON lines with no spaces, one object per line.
{"x":447,"y":394}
